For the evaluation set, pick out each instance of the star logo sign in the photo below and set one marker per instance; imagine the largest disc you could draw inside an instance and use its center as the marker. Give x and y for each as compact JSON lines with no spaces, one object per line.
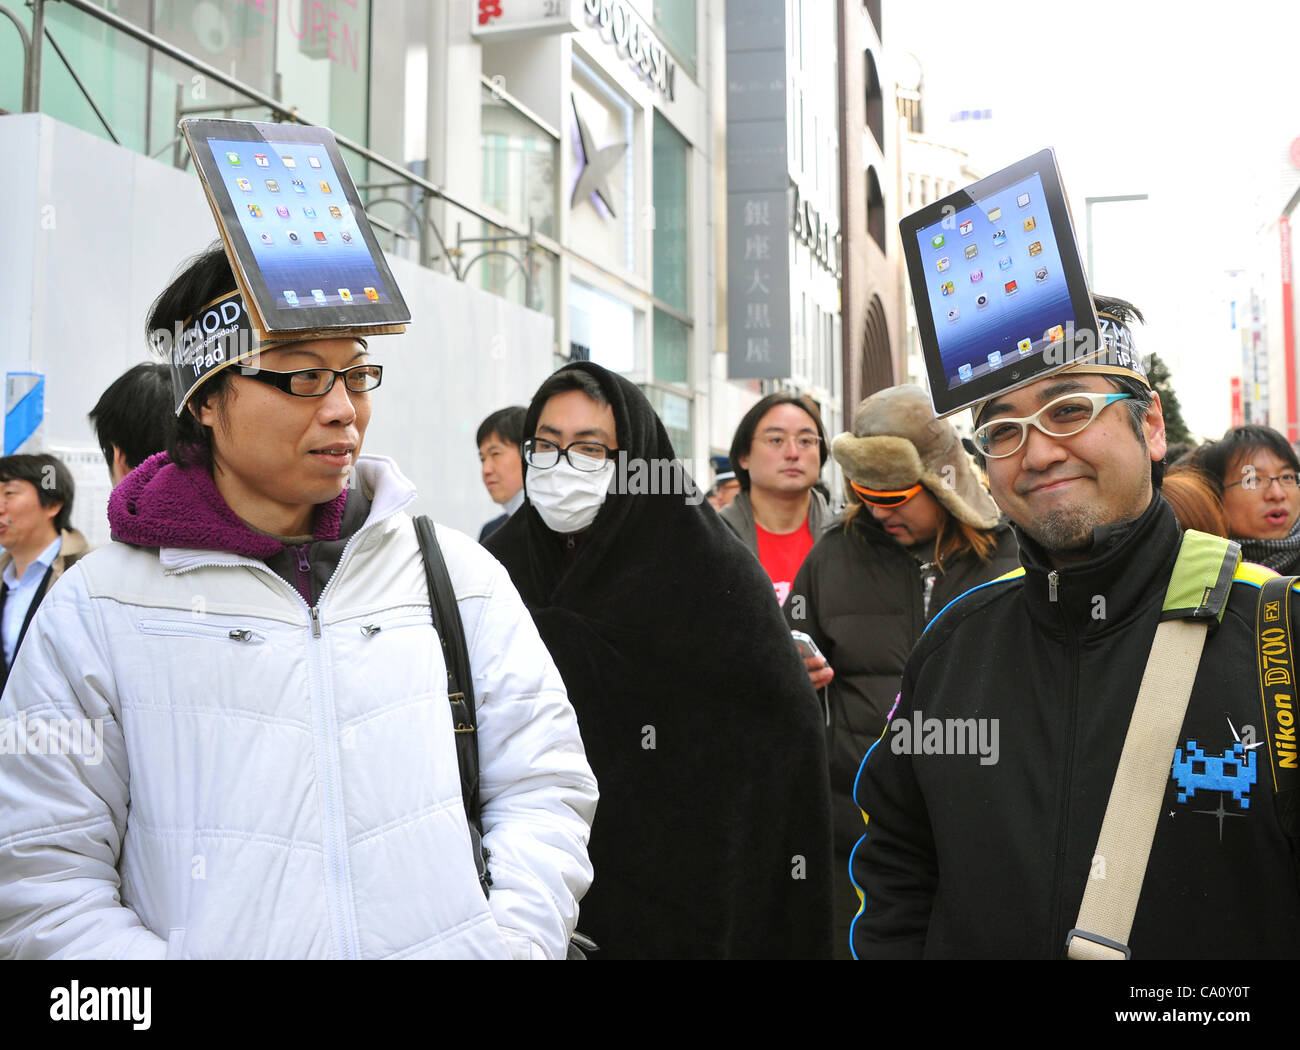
{"x":597,"y":164}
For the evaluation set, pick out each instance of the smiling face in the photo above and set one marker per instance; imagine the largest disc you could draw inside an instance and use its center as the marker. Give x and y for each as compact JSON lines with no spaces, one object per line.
{"x":1058,"y":489}
{"x":276,"y":456}
{"x":502,"y":468}
{"x":1255,"y":507}
{"x":26,"y":526}
{"x":775,"y":461}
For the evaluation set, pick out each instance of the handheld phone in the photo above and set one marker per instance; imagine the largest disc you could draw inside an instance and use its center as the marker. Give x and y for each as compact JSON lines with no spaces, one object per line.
{"x":806,"y":646}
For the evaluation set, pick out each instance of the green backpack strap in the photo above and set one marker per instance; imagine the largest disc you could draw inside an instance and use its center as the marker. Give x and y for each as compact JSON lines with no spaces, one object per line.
{"x":1202,"y":577}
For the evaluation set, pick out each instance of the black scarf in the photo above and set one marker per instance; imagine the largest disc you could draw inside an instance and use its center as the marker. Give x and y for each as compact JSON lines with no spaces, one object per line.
{"x":712,"y":836}
{"x":1282,"y":556}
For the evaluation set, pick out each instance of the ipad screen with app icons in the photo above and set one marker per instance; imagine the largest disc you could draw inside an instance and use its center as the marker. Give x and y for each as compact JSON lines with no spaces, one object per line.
{"x":999,"y":288}
{"x":293,"y":219}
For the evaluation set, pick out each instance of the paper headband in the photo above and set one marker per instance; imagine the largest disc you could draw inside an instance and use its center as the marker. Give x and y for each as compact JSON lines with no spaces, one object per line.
{"x":221,"y":334}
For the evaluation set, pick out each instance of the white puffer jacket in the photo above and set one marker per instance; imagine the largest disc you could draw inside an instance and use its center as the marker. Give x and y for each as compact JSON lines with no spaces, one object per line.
{"x":281,"y":782}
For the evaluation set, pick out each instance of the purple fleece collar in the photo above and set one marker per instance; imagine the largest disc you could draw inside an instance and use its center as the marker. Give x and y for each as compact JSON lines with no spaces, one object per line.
{"x":162,"y":505}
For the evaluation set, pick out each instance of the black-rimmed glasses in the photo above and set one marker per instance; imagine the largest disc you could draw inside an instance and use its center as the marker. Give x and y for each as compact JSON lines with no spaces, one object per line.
{"x":586,"y":456}
{"x":317,"y":382}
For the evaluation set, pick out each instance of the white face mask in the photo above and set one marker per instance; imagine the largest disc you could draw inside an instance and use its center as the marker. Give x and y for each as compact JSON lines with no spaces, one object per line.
{"x":567,"y":499}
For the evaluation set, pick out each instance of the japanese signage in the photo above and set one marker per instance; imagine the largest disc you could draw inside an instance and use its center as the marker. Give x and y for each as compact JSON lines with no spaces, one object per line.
{"x":758,"y":192}
{"x":758,"y":285}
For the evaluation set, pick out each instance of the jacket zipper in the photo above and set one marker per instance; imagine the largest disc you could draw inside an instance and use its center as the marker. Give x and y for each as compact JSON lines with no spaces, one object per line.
{"x":194,"y":630}
{"x":337,"y":882}
{"x":304,"y":570}
{"x":1055,"y":946}
{"x":929,"y":573}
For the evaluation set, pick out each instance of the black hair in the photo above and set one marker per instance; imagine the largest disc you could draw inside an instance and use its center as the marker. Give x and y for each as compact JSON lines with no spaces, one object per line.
{"x":1219,"y":457}
{"x":505,"y":423}
{"x":1139,"y":403}
{"x":567,"y":379}
{"x":202,"y":279}
{"x":135,"y":414}
{"x":1120,"y":309}
{"x":49,"y":477}
{"x":562,"y":382}
{"x":743,"y":441}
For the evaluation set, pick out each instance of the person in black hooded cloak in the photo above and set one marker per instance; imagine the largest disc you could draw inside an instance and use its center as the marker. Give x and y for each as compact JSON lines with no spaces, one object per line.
{"x":712,"y":838}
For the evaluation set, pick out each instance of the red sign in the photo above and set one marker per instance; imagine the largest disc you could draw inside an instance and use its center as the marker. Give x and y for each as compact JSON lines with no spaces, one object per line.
{"x":1237,"y":417}
{"x":1288,"y":328}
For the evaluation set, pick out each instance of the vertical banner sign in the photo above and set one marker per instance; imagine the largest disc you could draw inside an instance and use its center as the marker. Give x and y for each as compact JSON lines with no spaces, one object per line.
{"x":1288,"y":328}
{"x":758,"y":192}
{"x":1237,"y":415}
{"x":24,"y":407}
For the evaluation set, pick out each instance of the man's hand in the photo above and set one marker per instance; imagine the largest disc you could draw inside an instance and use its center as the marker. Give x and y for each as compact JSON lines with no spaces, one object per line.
{"x":819,"y":671}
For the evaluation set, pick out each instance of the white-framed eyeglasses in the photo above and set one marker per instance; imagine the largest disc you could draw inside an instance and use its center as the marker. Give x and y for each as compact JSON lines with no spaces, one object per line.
{"x":1063,"y":417}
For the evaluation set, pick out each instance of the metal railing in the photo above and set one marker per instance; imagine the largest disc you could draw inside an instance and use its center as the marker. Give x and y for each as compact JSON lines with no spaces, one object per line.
{"x":416,"y":193}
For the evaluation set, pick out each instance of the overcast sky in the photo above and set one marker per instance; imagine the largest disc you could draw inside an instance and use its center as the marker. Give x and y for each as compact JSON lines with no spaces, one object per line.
{"x":1193,"y":103}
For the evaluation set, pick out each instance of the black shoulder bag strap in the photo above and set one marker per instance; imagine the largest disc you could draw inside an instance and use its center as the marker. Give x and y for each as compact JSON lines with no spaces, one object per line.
{"x":460,"y":685}
{"x":1278,"y":695}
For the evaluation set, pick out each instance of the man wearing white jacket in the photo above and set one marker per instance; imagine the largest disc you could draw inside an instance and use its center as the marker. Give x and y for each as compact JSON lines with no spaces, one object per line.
{"x":236,"y":738}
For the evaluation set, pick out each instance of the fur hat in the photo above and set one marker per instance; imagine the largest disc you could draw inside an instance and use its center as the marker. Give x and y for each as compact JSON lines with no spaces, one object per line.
{"x":896,"y":442}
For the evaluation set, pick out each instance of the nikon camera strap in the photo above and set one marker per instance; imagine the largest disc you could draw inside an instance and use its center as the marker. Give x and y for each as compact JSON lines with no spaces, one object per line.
{"x":1277,"y":694}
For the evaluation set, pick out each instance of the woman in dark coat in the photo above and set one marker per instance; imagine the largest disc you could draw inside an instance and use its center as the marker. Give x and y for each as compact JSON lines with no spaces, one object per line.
{"x":712,"y":835}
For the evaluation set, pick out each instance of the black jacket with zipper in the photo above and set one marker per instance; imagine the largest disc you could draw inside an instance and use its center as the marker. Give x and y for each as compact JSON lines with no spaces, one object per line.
{"x":966,"y":859}
{"x":861,"y":597}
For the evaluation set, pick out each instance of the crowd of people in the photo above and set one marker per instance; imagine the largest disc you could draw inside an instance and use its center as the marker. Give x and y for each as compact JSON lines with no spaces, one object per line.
{"x":661,"y":770}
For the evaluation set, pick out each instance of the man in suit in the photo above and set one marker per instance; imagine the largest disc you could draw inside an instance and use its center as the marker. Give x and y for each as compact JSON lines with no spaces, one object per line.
{"x":38,"y":540}
{"x":498,"y":441}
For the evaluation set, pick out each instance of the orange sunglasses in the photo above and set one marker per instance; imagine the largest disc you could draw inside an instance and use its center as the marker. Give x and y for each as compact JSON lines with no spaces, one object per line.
{"x":886,"y":499}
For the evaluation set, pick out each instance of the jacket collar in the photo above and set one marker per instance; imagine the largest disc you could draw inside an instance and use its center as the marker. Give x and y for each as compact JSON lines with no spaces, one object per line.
{"x":73,"y":547}
{"x":1130,"y":564}
{"x":818,"y":512}
{"x":392,"y":491}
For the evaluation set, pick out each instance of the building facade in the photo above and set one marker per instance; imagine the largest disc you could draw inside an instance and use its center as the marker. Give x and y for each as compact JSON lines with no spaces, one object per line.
{"x":872,"y":288}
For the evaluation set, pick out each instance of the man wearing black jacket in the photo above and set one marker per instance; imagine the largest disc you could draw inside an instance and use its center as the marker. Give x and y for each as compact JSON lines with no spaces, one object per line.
{"x":987,"y":854}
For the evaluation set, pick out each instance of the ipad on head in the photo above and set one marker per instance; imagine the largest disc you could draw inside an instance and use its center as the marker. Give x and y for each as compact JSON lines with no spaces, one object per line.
{"x":1000,"y":292}
{"x":294,"y":228}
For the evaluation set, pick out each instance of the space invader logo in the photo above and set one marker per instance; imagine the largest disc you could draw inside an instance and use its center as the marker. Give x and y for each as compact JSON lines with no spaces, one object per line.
{"x":1232,"y":771}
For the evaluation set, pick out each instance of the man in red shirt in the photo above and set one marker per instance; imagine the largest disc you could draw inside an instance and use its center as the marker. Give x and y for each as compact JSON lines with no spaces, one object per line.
{"x":778,"y":452}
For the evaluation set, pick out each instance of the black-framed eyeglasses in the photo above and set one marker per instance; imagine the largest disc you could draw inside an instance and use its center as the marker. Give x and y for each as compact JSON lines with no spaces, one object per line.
{"x":317,"y":382}
{"x":587,"y":456}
